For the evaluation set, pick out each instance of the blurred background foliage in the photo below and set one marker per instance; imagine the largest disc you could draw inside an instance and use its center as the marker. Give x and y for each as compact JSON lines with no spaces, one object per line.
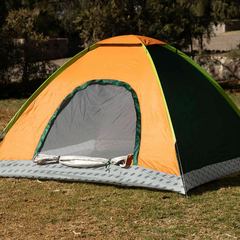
{"x":25,"y":25}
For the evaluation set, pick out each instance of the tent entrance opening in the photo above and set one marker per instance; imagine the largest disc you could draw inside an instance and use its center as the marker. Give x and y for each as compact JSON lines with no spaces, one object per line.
{"x":97,"y":121}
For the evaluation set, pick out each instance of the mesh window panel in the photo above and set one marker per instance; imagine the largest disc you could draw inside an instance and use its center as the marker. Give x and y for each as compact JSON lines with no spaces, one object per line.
{"x":98,"y":121}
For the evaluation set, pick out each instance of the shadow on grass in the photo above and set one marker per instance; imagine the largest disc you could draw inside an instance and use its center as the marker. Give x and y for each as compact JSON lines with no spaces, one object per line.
{"x":164,"y":193}
{"x":215,"y":185}
{"x":230,"y":86}
{"x":224,"y":182}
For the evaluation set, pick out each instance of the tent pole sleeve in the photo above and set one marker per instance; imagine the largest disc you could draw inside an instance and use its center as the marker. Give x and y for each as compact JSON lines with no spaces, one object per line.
{"x":2,"y":132}
{"x":160,"y":85}
{"x":181,"y":169}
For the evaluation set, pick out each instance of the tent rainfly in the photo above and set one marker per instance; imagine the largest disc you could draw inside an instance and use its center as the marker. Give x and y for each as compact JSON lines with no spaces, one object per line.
{"x":129,"y":110}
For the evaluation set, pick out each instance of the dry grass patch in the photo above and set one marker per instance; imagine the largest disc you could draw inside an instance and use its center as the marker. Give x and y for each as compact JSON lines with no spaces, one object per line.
{"x":32,"y":209}
{"x":8,"y":108}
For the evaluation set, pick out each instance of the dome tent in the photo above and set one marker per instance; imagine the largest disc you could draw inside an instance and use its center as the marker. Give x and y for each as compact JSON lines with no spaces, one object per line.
{"x":127,"y":95}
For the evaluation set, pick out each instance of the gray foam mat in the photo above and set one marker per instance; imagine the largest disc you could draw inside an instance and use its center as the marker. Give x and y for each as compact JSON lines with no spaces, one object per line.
{"x":130,"y":176}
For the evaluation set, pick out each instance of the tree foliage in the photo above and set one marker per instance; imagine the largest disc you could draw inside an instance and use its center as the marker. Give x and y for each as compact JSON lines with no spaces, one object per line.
{"x":99,"y":19}
{"x":174,"y":21}
{"x":24,"y":46}
{"x":226,"y":9}
{"x":177,"y":22}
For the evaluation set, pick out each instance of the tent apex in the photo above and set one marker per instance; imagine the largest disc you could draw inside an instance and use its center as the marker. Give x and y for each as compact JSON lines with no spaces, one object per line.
{"x":130,"y":40}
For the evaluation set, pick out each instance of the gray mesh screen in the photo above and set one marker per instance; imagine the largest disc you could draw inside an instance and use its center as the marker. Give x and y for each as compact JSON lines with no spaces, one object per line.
{"x":99,"y":121}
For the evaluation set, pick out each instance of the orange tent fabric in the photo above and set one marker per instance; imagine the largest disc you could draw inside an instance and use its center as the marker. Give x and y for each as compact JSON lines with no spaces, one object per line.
{"x":129,"y":64}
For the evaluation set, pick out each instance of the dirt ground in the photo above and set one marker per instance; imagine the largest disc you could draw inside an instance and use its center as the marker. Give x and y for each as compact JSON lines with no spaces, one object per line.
{"x":224,"y":42}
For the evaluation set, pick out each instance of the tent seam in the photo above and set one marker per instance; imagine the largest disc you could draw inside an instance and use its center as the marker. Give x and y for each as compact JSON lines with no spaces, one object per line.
{"x":161,"y":89}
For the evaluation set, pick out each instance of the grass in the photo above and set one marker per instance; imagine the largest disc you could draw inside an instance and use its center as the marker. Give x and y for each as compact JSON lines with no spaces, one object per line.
{"x":236,"y":99}
{"x":233,"y":54}
{"x":32,"y":209}
{"x":7,"y":110}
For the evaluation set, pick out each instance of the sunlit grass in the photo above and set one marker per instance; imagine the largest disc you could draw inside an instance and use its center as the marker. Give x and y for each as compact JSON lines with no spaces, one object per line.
{"x":236,"y":99}
{"x":30,"y":208}
{"x":233,"y":54}
{"x":8,"y":108}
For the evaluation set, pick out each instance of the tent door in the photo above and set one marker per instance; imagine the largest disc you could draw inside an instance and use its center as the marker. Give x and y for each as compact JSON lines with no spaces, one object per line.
{"x":97,"y":121}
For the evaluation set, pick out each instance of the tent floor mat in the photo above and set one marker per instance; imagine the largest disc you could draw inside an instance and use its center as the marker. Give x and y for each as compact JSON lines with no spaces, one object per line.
{"x":131,"y":176}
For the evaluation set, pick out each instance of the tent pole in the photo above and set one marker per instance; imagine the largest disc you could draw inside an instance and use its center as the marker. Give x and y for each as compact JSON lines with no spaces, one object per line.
{"x":2,"y":133}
